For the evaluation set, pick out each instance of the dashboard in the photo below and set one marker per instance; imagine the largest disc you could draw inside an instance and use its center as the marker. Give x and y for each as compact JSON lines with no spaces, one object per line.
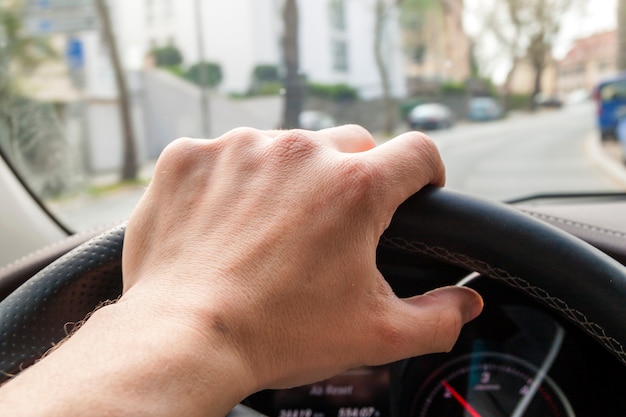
{"x":516,"y":359}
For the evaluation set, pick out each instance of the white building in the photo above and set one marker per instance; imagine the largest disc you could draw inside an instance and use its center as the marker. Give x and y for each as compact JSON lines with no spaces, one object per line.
{"x":336,"y":38}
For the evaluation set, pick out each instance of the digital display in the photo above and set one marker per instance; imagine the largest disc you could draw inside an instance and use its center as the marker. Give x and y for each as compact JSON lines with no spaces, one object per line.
{"x":362,"y":392}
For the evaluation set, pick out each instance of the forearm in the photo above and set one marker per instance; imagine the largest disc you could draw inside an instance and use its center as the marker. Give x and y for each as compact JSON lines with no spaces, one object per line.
{"x":122,"y":363}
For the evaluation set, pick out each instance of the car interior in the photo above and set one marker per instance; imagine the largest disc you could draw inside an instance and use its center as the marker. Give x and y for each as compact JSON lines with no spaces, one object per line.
{"x":550,"y":265}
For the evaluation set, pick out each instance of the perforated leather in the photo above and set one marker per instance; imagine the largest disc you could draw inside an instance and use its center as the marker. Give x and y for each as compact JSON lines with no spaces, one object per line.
{"x":39,"y":313}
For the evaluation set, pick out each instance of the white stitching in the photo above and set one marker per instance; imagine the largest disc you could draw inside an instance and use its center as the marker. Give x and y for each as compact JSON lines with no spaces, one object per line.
{"x":579,"y":225}
{"x":536,"y":292}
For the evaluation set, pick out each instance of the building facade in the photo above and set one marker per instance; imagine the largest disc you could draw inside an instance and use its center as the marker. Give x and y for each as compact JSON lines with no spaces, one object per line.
{"x":336,"y":39}
{"x":437,"y":47}
{"x":588,"y":61}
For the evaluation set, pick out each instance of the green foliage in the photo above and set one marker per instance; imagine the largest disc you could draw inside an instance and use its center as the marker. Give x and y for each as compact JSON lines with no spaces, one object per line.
{"x":265,"y":80}
{"x":266,"y":73}
{"x":177,"y":70}
{"x":268,"y":89}
{"x":452,"y":88}
{"x":21,"y":51}
{"x":407,"y":105}
{"x":335,"y":92}
{"x":30,"y":131}
{"x":412,"y":12}
{"x":518,"y":101}
{"x":167,"y":56}
{"x":205,"y":73}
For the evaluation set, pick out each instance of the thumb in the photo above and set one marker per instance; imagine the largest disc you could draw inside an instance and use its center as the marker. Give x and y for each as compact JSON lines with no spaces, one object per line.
{"x":428,"y":323}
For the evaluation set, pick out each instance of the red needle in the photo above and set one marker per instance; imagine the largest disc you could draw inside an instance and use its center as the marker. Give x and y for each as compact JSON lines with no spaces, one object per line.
{"x":460,"y":399}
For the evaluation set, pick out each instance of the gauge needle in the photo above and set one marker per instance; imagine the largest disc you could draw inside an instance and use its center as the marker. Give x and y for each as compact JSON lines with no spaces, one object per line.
{"x":460,"y":399}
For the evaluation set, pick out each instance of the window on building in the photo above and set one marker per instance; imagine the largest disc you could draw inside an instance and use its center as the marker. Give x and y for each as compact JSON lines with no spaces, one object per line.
{"x":417,"y":54}
{"x":337,"y":14}
{"x":340,"y":55}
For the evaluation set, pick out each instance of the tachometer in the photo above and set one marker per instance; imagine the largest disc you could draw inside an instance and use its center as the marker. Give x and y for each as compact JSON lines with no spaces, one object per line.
{"x":490,"y":384}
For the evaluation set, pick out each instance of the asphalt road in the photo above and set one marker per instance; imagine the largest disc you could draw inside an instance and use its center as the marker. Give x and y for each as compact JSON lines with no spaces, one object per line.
{"x":525,"y":154}
{"x":520,"y":155}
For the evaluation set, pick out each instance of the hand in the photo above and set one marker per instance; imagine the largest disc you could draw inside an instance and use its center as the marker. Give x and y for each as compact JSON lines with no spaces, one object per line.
{"x":267,"y":240}
{"x":250,"y":264}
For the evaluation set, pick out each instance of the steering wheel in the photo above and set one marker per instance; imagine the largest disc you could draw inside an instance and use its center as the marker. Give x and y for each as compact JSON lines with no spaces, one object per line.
{"x":574,"y":278}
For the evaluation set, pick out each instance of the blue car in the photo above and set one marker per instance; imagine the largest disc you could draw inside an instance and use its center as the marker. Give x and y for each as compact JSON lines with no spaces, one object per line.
{"x":610,"y":96}
{"x":484,"y":109}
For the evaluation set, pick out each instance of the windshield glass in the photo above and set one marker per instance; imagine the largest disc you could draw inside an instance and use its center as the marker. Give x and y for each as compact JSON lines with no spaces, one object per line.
{"x":93,"y":90}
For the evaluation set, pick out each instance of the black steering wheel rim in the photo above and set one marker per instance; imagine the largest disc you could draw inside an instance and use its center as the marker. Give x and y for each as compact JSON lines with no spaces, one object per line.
{"x":583,"y":284}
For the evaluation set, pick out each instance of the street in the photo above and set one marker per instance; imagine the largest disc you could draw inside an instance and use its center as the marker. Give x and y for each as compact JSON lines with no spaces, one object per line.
{"x":523,"y":154}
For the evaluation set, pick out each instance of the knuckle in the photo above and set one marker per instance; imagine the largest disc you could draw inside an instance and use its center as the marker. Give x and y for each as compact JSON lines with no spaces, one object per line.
{"x":242,"y":135}
{"x":360,"y":178}
{"x":177,"y":151}
{"x":293,"y":145}
{"x":423,"y":144}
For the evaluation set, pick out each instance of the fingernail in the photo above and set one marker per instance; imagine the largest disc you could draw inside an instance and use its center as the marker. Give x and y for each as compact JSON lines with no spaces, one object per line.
{"x":475,"y":308}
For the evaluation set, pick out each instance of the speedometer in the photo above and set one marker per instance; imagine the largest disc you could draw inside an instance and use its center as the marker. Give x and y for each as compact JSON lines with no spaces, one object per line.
{"x":490,"y":384}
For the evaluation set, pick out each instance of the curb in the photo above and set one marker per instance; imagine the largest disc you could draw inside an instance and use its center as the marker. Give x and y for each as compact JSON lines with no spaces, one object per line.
{"x":612,"y":167}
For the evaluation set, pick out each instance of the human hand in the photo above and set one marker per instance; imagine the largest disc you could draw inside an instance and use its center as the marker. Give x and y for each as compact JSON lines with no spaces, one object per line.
{"x":264,"y":243}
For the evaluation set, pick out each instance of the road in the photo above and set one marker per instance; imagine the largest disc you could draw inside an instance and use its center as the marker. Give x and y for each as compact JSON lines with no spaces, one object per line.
{"x":517,"y":156}
{"x":524,"y":154}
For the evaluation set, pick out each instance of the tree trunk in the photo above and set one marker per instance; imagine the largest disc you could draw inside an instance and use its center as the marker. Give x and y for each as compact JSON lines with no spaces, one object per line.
{"x":129,"y":163}
{"x":536,"y":86}
{"x":506,"y":90}
{"x":293,"y":102}
{"x":383,"y":71}
{"x":621,"y":33}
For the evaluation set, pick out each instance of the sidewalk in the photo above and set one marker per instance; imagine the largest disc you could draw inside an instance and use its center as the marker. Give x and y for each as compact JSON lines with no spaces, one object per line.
{"x":608,"y":157}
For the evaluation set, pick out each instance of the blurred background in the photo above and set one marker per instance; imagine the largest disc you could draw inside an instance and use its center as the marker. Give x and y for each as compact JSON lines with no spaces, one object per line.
{"x":91,"y":91}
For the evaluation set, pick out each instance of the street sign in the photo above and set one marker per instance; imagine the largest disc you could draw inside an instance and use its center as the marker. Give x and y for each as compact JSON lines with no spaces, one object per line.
{"x":74,"y":53}
{"x":42,"y":17}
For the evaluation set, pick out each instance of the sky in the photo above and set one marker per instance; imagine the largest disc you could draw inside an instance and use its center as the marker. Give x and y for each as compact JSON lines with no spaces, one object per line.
{"x":597,"y":16}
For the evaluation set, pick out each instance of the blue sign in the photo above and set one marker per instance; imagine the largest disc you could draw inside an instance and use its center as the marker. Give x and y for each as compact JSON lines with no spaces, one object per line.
{"x":74,"y":53}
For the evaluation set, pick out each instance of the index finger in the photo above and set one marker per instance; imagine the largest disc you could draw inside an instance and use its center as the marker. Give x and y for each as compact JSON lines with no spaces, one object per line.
{"x":407,"y":163}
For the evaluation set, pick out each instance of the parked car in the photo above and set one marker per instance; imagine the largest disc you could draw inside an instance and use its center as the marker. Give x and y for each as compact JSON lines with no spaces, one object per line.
{"x":430,"y":116}
{"x":610,"y":98}
{"x":484,"y":109}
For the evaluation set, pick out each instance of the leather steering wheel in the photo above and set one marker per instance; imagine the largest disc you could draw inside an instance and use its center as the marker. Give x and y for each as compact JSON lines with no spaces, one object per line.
{"x":574,"y":278}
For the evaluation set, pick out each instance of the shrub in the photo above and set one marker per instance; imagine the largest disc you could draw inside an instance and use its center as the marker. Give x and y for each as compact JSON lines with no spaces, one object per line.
{"x":452,"y":88}
{"x":210,"y":71}
{"x":336,"y":92}
{"x":167,"y":56}
{"x":265,"y":73}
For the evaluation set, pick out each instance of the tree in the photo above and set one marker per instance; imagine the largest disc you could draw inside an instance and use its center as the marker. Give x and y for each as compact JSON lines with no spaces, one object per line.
{"x":383,"y":9}
{"x":526,"y":29}
{"x":293,"y":79}
{"x":30,"y":131}
{"x":167,"y":56}
{"x":129,"y":161}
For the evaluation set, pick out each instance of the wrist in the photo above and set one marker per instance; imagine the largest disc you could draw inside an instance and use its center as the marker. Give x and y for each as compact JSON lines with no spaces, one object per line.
{"x":175,"y":364}
{"x":127,"y":360}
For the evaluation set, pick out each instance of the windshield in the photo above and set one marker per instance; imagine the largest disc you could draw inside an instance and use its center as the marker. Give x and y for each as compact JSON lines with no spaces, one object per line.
{"x":93,"y":90}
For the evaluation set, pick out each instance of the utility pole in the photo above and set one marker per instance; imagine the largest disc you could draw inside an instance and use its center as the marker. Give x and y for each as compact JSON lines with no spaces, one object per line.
{"x":202,"y":73}
{"x":294,"y":94}
{"x":621,"y":35}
